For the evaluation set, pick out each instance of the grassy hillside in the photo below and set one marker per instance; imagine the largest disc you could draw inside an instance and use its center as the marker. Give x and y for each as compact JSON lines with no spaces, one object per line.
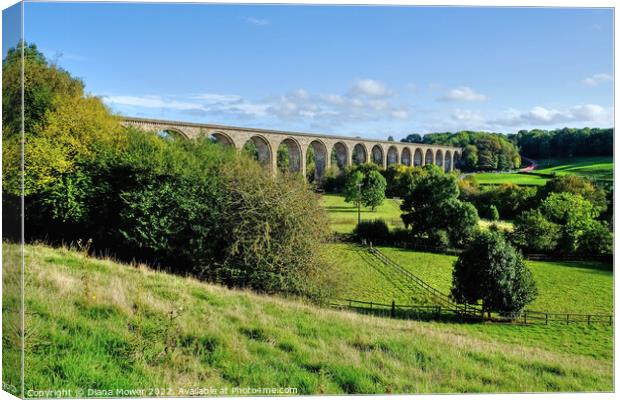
{"x":564,"y":286}
{"x":118,"y":326}
{"x":597,"y":168}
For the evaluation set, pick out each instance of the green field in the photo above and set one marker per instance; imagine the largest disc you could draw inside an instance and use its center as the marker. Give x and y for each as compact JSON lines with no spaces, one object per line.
{"x":343,"y":215}
{"x":564,"y":286}
{"x":596,"y":168}
{"x":118,"y":326}
{"x":498,"y":178}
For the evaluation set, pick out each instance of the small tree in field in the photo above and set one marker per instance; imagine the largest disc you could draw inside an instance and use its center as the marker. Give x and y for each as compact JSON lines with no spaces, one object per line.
{"x":365,"y":186}
{"x":373,"y":190}
{"x":492,"y":271}
{"x":353,"y":188}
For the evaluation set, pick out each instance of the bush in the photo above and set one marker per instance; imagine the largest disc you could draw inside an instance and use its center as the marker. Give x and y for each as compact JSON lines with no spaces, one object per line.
{"x":596,"y":240}
{"x":492,"y":271}
{"x":534,"y":233}
{"x":438,"y":240}
{"x":376,"y":232}
{"x":493,"y":213}
{"x":432,"y":204}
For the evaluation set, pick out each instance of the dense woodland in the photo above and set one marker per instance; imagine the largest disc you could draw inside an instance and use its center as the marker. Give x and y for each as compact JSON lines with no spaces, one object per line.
{"x":566,"y":142}
{"x":482,"y":151}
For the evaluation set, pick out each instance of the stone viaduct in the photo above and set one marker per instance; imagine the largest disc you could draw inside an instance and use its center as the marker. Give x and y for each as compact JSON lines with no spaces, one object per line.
{"x":348,"y":150}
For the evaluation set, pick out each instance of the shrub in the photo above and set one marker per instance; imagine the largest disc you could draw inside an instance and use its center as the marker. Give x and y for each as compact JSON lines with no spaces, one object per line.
{"x":534,"y":233}
{"x":493,"y":213}
{"x":376,"y":231}
{"x":575,"y":185}
{"x":492,"y":271}
{"x":439,"y":240}
{"x":596,"y":240}
{"x":432,"y":204}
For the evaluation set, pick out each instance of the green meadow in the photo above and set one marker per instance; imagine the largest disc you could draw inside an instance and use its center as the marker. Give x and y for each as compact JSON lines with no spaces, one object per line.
{"x":126,"y":326}
{"x":343,"y":215}
{"x":596,"y":168}
{"x":498,"y":178}
{"x":578,"y":287}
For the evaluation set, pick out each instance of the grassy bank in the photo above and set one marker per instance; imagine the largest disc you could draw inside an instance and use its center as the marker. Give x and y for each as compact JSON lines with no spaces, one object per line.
{"x":597,"y":168}
{"x":118,"y":326}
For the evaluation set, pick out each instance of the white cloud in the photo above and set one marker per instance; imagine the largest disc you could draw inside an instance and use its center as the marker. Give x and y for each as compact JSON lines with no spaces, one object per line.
{"x":217,"y":98}
{"x":257,"y":21}
{"x":595,"y":79}
{"x":150,"y":102}
{"x":364,"y":101}
{"x":370,"y":87}
{"x":400,"y":114}
{"x":463,"y":94}
{"x":467,"y":116}
{"x":540,"y":116}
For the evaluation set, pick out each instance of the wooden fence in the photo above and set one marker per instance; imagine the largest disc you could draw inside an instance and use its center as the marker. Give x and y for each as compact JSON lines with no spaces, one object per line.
{"x":463,"y":314}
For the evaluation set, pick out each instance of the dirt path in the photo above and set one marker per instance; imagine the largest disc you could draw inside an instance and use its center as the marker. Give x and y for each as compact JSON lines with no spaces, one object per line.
{"x":531,"y":167}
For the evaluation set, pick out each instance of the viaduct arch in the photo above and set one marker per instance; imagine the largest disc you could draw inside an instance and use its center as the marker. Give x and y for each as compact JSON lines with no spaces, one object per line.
{"x":328,"y":149}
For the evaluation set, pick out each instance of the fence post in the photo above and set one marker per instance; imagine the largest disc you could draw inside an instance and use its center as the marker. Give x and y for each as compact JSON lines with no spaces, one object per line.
{"x":546,"y":319}
{"x":610,"y":317}
{"x":393,"y":309}
{"x":371,"y":305}
{"x":589,"y":316}
{"x":525,"y":317}
{"x":438,"y":312}
{"x":349,"y":303}
{"x":567,"y":316}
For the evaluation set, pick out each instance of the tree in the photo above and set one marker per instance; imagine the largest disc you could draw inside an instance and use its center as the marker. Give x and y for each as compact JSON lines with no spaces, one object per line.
{"x":564,"y":222}
{"x":576,"y":185}
{"x":390,"y":138}
{"x":373,"y":190}
{"x":432,"y":204}
{"x":353,"y":187}
{"x":490,"y":270}
{"x":469,"y":160}
{"x":283,"y":158}
{"x":493,"y":213}
{"x":534,"y":233}
{"x":365,"y":184}
{"x":573,"y":213}
{"x":489,"y":151}
{"x":412,"y":138}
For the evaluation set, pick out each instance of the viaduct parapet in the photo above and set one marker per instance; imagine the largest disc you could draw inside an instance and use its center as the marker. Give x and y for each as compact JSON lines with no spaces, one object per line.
{"x":347,"y":150}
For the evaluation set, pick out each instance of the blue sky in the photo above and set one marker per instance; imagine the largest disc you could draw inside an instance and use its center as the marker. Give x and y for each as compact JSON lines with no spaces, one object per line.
{"x":367,"y":71}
